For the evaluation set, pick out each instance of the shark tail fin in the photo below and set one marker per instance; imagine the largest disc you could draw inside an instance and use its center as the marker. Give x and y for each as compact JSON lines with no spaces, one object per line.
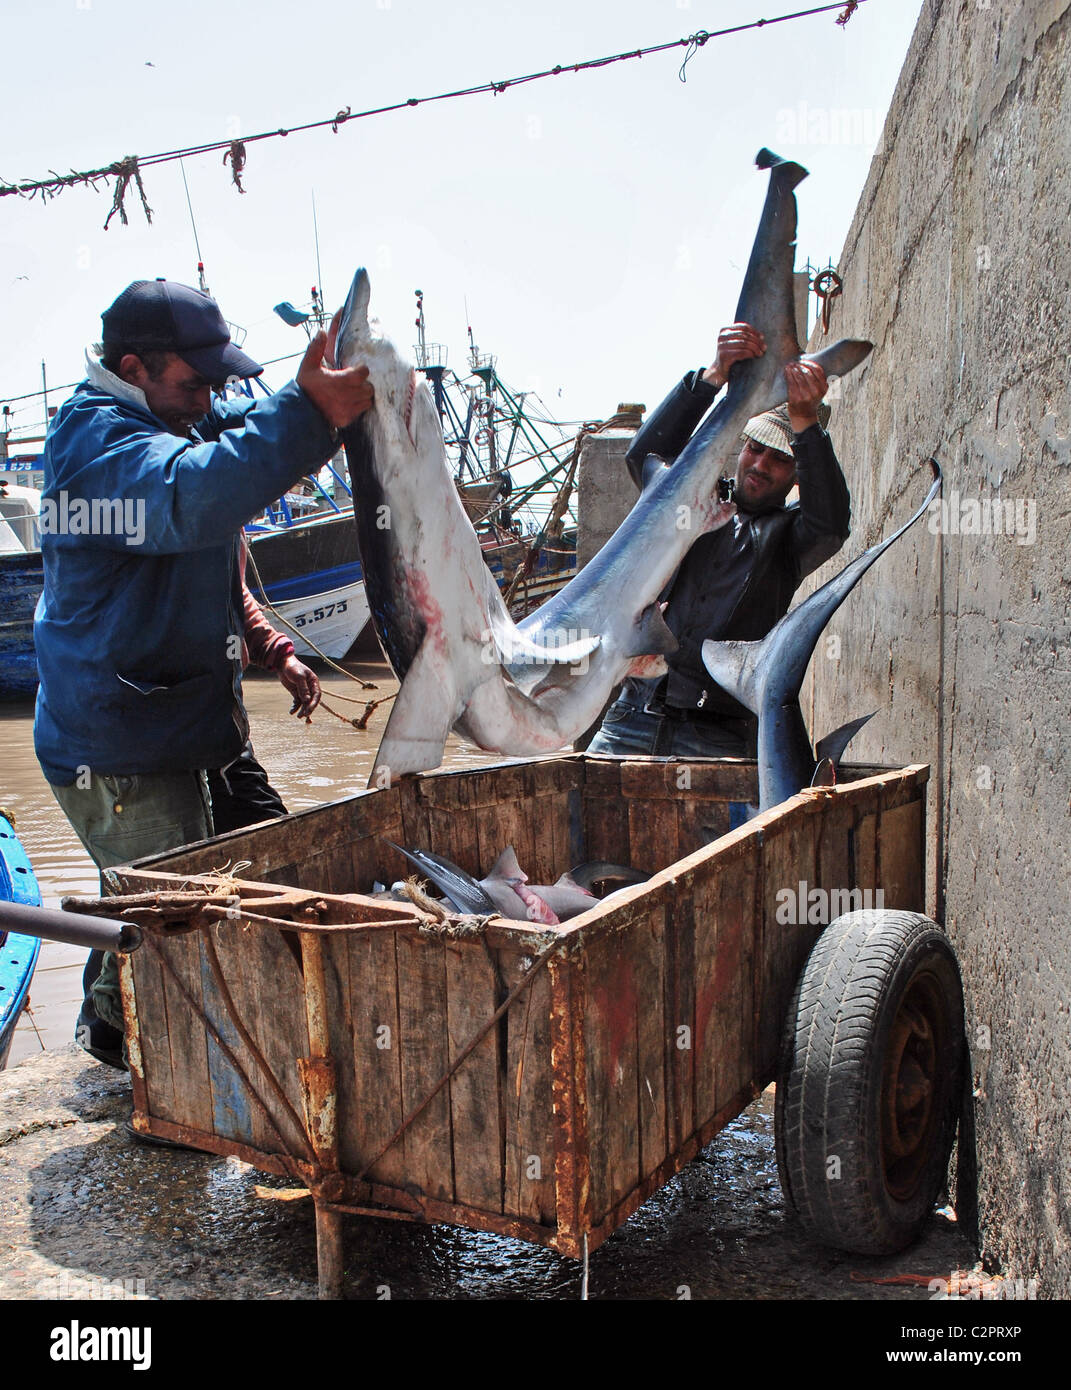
{"x":795,"y":173}
{"x":459,"y":888}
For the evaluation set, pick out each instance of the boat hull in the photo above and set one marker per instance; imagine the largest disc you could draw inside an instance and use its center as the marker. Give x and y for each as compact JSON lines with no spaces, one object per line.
{"x":21,"y":581}
{"x":18,"y":954}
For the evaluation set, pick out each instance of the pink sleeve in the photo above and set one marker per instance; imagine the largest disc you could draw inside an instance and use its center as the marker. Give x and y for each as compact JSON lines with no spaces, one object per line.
{"x":264,"y":646}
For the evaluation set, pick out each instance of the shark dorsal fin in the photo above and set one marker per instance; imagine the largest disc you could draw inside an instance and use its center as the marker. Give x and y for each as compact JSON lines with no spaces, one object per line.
{"x":834,"y":744}
{"x":507,"y":866}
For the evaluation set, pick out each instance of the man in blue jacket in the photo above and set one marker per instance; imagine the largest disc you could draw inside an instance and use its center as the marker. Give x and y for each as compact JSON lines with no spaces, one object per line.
{"x":139,"y":627}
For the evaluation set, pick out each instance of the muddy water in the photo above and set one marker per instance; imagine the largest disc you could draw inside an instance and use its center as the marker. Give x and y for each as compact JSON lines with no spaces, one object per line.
{"x":307,"y":763}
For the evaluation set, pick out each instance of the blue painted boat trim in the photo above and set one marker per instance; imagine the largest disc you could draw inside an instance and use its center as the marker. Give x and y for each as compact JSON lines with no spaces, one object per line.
{"x":18,"y":954}
{"x":309,"y":585}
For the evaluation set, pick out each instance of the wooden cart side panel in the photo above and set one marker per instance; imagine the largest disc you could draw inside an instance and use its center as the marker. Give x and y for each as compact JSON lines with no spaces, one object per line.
{"x":371,"y":1020}
{"x":340,"y":1009}
{"x":512,"y":821}
{"x":528,"y":1097}
{"x":785,"y":934}
{"x":271,"y":846}
{"x":572,"y":1168}
{"x":653,"y":1039}
{"x":652,"y":833}
{"x":450,"y":824}
{"x":147,"y":1014}
{"x":425,"y":1059}
{"x":613,"y":995}
{"x":901,"y":856}
{"x":475,"y":1089}
{"x":835,"y":851}
{"x":679,"y":982}
{"x":700,"y":821}
{"x":661,"y":780}
{"x":727,"y":930}
{"x":606,"y":821}
{"x":265,"y":984}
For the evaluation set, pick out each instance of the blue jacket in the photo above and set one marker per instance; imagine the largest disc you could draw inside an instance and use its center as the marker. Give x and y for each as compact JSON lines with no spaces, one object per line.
{"x":135,"y":629}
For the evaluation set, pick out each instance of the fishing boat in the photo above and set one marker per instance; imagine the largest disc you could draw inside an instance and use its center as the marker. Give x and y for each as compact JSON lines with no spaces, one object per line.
{"x":18,"y":954}
{"x":307,"y":572}
{"x":21,"y":580}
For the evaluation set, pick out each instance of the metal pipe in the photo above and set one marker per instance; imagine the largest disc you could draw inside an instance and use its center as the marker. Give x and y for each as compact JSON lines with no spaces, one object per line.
{"x":77,"y":929}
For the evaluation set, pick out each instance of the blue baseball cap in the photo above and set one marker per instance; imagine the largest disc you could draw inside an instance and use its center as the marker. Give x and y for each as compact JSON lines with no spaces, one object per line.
{"x":164,"y":316}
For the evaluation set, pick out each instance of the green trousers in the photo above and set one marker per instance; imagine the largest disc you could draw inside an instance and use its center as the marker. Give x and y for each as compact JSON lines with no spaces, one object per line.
{"x":120,"y":818}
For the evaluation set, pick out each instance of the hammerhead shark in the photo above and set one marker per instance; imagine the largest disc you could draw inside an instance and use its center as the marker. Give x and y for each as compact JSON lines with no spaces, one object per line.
{"x":766,"y":676}
{"x":529,"y":688}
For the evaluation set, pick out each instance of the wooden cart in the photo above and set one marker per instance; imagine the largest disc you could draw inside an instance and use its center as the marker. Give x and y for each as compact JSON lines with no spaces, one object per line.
{"x":540,"y":1082}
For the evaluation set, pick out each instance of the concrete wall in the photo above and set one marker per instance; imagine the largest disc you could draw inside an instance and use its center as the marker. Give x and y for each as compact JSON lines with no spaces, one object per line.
{"x":605,"y":492}
{"x":958,"y":267}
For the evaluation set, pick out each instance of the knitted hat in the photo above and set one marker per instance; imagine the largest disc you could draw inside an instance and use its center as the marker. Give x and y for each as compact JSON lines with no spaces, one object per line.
{"x":773,"y":430}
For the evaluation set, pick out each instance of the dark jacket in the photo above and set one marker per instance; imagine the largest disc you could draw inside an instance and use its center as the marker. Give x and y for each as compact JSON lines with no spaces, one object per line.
{"x":780,"y":548}
{"x":138,"y":629}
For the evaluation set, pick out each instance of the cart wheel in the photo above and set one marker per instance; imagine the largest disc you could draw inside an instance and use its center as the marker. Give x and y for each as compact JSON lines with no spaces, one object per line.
{"x":868,"y":1081}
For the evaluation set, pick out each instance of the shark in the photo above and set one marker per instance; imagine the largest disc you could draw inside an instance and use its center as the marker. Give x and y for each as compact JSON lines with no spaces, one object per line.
{"x":533,"y":687}
{"x":766,"y":675}
{"x":506,"y":889}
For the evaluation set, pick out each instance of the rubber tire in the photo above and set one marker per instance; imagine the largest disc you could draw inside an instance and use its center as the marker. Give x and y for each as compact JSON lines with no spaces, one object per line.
{"x":829,"y":1082}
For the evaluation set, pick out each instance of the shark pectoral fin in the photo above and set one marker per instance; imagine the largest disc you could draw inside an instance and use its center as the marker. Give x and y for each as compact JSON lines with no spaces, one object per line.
{"x":838,"y":359}
{"x":734,"y":665}
{"x":422,"y":716}
{"x":545,"y":647}
{"x":651,"y":636}
{"x":834,"y":744}
{"x":841,"y":357}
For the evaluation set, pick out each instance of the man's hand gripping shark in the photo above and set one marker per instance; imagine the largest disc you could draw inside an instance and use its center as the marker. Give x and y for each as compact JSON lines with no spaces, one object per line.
{"x":533,"y":687}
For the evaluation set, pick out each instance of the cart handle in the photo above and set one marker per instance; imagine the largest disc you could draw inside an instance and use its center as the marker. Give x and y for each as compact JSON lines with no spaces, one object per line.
{"x":49,"y":923}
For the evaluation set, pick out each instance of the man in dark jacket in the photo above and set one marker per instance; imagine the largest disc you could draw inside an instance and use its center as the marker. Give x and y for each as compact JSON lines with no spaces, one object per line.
{"x":736,"y":582}
{"x":139,"y":627}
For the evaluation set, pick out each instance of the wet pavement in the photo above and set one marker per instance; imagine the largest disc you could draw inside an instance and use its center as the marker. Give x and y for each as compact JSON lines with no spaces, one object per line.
{"x":87,"y":1212}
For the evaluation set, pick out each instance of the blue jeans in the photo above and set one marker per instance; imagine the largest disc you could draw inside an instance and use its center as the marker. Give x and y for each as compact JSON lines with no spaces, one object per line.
{"x":629,"y":729}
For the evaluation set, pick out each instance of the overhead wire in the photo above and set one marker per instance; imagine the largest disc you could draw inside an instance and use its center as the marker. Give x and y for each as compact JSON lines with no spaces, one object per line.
{"x":236,"y":151}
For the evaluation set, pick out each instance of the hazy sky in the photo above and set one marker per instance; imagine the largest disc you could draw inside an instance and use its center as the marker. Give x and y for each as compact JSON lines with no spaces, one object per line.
{"x":597,"y":224}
